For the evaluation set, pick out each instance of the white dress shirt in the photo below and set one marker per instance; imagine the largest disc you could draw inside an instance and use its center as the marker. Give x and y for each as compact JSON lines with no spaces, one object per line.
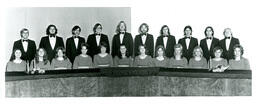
{"x":165,"y":41}
{"x":25,"y":45}
{"x":228,"y":43}
{"x":143,"y":38}
{"x":52,"y":41}
{"x":121,"y":38}
{"x":209,"y":42}
{"x":187,"y":42}
{"x":76,"y":42}
{"x":98,"y":40}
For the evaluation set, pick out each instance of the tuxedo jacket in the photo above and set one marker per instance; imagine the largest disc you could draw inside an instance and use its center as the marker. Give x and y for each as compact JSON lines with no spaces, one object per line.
{"x":149,"y":44}
{"x":169,"y":50}
{"x":188,"y":53}
{"x":206,"y":52}
{"x":127,"y":41}
{"x":71,"y":50}
{"x":228,"y":54}
{"x":93,"y":47}
{"x":31,"y":49}
{"x":51,"y":52}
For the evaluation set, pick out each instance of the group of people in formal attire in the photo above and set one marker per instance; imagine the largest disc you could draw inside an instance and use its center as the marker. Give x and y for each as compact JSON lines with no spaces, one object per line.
{"x":52,"y":54}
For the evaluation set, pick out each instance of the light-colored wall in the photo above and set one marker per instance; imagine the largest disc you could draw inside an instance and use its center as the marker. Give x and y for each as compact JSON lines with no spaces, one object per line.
{"x":37,"y":20}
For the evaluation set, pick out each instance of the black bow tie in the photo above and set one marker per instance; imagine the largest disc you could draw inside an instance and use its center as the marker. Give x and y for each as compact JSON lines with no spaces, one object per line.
{"x":52,"y":35}
{"x":122,"y":32}
{"x":75,"y":36}
{"x":97,"y":34}
{"x":210,"y":38}
{"x":25,"y":40}
{"x":165,"y":35}
{"x":187,"y":37}
{"x":227,"y":37}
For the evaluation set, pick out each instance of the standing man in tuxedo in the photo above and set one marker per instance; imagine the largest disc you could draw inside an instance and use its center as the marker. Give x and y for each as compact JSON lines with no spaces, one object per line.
{"x":73,"y":44}
{"x":228,"y":43}
{"x":122,"y":38}
{"x":94,"y":40}
{"x":188,"y":42}
{"x":51,"y":41}
{"x":167,"y":40}
{"x":144,"y":38}
{"x":27,"y":46}
{"x":209,"y":43}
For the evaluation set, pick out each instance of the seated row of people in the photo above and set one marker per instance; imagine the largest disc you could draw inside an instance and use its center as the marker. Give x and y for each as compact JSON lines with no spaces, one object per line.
{"x":104,"y":59}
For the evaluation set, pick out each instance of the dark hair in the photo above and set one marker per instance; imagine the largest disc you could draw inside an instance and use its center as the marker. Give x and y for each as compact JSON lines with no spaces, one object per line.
{"x":22,"y":30}
{"x":84,"y":44}
{"x":103,"y":44}
{"x":118,"y":27}
{"x":75,"y":28}
{"x":13,"y":54}
{"x":142,"y":25}
{"x":45,"y":57}
{"x":48,"y":28}
{"x":146,"y":50}
{"x":206,"y":30}
{"x":120,"y":54}
{"x":95,"y":27}
{"x":189,"y":27}
{"x":160,"y":47}
{"x":218,"y":48}
{"x":161,"y":31}
{"x":240,"y":47}
{"x":63,"y":50}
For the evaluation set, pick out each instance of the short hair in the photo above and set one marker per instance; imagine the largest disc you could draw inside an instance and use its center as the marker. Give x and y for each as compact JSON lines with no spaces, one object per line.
{"x":84,"y":44}
{"x":48,"y":28}
{"x":141,"y":27}
{"x":22,"y":30}
{"x":146,"y":50}
{"x":103,"y":44}
{"x":200,"y":49}
{"x":161,"y":31}
{"x":206,"y":30}
{"x":240,"y":47}
{"x":189,"y":27}
{"x":118,"y":26}
{"x":45,"y":56}
{"x":160,"y":47}
{"x":95,"y":27}
{"x":218,"y":48}
{"x":75,"y":28}
{"x":13,"y":54}
{"x":178,"y":46}
{"x":226,"y":30}
{"x":63,"y":51}
{"x":119,"y":52}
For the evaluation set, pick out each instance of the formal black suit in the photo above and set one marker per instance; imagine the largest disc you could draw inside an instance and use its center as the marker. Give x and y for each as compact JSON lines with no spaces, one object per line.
{"x":45,"y":43}
{"x":31,"y":49}
{"x":171,"y":41}
{"x":188,"y":53}
{"x":93,"y":48}
{"x":228,"y":54}
{"x":127,"y":41}
{"x":149,"y":44}
{"x":71,"y":50}
{"x":204,"y":46}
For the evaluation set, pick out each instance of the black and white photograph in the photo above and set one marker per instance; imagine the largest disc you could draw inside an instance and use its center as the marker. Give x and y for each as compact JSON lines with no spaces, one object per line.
{"x":94,"y":52}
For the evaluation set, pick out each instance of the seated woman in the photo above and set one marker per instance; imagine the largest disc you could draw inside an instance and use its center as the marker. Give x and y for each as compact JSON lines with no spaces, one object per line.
{"x":160,"y":60}
{"x":143,"y":60}
{"x":122,"y":59}
{"x":218,"y":64}
{"x":60,"y":61}
{"x":16,"y":64}
{"x":103,"y":59}
{"x":41,"y":62}
{"x":178,"y":61}
{"x":198,"y":61}
{"x":239,"y":62}
{"x":83,"y":60}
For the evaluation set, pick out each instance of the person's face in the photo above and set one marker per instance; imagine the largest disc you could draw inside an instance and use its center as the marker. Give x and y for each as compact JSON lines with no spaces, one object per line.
{"x":198,"y":53}
{"x":122,"y":49}
{"x":160,"y":52}
{"x":142,"y":50}
{"x":99,"y":29}
{"x":17,"y":54}
{"x":60,"y":53}
{"x":103,"y":49}
{"x":144,"y":29}
{"x":227,"y":33}
{"x":84,"y":50}
{"x":209,"y":32}
{"x":77,"y":32}
{"x":217,"y":53}
{"x":41,"y":52}
{"x":187,"y":32}
{"x":25,"y":34}
{"x":178,"y":51}
{"x":237,"y":52}
{"x":165,"y":31}
{"x":122,"y":27}
{"x":52,"y":30}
